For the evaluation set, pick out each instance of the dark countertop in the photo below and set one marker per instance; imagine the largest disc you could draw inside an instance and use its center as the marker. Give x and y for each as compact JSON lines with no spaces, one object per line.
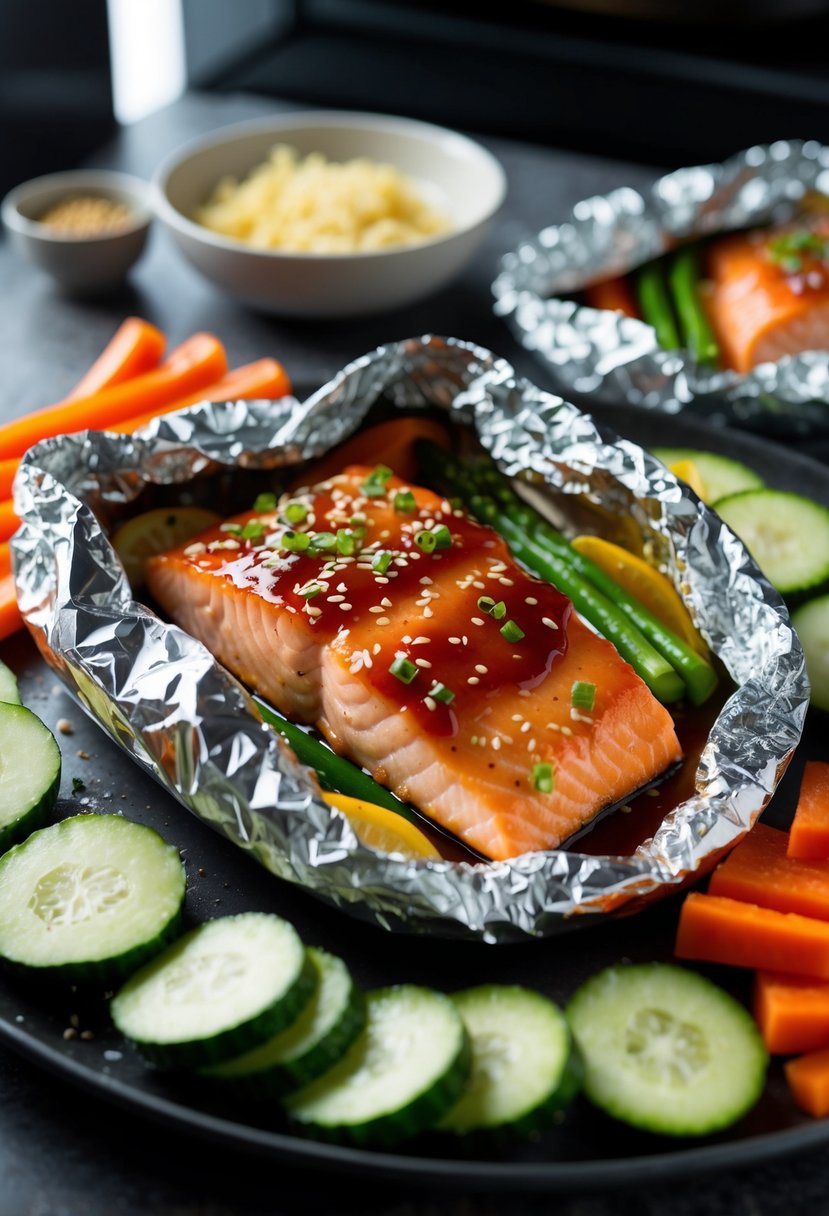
{"x":63,"y":1153}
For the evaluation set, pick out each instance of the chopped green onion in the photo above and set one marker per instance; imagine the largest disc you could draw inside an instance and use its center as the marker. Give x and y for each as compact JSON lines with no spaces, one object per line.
{"x":404,"y":501}
{"x":294,"y":512}
{"x":583,"y":695}
{"x":403,"y":669}
{"x":439,"y":692}
{"x":349,"y":540}
{"x":512,"y":632}
{"x":265,"y":502}
{"x":381,"y":562}
{"x":296,"y":542}
{"x":543,"y":778}
{"x":233,"y":529}
{"x":310,"y":592}
{"x":425,"y":541}
{"x":253,"y":530}
{"x":374,"y":485}
{"x":487,"y":604}
{"x":323,"y":541}
{"x":443,"y":537}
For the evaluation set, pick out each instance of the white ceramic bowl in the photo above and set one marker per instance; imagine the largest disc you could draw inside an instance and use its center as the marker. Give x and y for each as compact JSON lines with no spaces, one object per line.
{"x":79,"y":263}
{"x":452,"y":172}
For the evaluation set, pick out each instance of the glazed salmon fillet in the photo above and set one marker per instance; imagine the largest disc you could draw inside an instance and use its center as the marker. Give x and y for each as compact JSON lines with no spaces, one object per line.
{"x":407,"y":634}
{"x":765,"y":302}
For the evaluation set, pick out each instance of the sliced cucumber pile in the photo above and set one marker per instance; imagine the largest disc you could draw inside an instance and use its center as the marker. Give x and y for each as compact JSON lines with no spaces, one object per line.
{"x":786,"y":534}
{"x":9,"y":690}
{"x":406,"y":1070}
{"x":89,"y":898}
{"x":721,"y":476}
{"x":666,"y":1050}
{"x":319,"y":1037}
{"x":29,"y":772}
{"x":524,"y":1064}
{"x":224,"y":987}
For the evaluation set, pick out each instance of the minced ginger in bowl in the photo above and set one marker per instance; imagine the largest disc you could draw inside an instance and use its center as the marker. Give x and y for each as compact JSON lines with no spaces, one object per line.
{"x":312,"y":205}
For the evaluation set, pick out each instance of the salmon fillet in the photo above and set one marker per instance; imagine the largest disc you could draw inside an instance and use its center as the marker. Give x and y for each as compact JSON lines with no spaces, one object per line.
{"x":765,"y":302}
{"x":407,"y":634}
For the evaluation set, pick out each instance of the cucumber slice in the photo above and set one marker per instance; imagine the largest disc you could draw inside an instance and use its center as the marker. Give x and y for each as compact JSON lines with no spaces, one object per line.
{"x":402,"y":1075}
{"x":224,"y":987}
{"x":666,"y":1050}
{"x":787,"y":535}
{"x":319,"y":1037}
{"x":720,"y":475}
{"x":524,"y":1066}
{"x":89,"y":898}
{"x":29,"y":773}
{"x":811,"y":624}
{"x":9,"y":690}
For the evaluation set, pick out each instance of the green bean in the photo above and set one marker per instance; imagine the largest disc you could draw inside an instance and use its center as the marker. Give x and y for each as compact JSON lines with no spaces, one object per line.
{"x":333,"y":772}
{"x":684,"y":281}
{"x":655,"y":304}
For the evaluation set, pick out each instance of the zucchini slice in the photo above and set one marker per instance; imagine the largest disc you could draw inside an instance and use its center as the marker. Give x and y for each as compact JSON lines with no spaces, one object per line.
{"x":89,"y":898}
{"x":524,"y":1064}
{"x":811,"y":624}
{"x":786,"y":534}
{"x":721,"y":475}
{"x":400,"y":1076}
{"x":666,"y":1050}
{"x":29,"y":772}
{"x":319,"y":1037}
{"x":226,"y":986}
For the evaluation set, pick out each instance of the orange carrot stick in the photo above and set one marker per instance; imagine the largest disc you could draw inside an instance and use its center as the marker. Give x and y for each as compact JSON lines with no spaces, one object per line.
{"x":719,"y":930}
{"x":10,"y":618}
{"x":809,"y":834}
{"x":5,"y":558}
{"x":264,"y":378}
{"x":792,"y":1012}
{"x":135,"y":347}
{"x":197,"y":362}
{"x":759,"y":871}
{"x":614,"y":295}
{"x":808,"y":1081}
{"x":8,"y":468}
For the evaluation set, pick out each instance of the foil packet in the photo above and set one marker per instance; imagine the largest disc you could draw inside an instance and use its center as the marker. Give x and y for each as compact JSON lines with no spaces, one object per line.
{"x":617,"y":358}
{"x":180,"y":716}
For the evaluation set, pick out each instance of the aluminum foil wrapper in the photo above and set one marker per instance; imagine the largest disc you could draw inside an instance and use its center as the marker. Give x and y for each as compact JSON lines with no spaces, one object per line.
{"x":179,"y":715}
{"x":616,"y":358}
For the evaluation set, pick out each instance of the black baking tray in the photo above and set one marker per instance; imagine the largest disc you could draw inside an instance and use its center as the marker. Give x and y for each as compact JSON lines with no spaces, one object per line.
{"x":585,"y":1149}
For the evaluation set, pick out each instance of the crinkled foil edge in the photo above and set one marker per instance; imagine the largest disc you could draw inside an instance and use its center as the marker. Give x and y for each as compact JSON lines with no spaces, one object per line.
{"x":616,"y":358}
{"x":183,"y":719}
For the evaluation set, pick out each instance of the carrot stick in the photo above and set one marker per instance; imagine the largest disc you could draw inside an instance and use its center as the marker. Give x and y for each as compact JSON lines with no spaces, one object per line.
{"x":5,"y":558}
{"x":719,"y":930}
{"x":759,"y":871}
{"x":792,"y":1012}
{"x":135,"y":347}
{"x":8,"y":468}
{"x":615,"y":295}
{"x":197,"y":362}
{"x":10,"y":618}
{"x":265,"y":378}
{"x":809,"y":834}
{"x":808,"y":1081}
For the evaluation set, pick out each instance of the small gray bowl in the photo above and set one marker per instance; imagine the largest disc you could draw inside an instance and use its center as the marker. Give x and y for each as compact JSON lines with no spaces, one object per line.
{"x":80,"y":264}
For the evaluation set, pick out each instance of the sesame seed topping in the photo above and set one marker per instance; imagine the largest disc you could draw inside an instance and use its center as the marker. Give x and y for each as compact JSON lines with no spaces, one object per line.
{"x":531,"y":745}
{"x":335,"y":599}
{"x":479,"y":667}
{"x":478,"y":585}
{"x":381,"y":578}
{"x":312,"y":610}
{"x":531,"y":600}
{"x":496,"y":744}
{"x":525,"y":726}
{"x":423,"y":663}
{"x":345,"y":607}
{"x":382,"y":620}
{"x":375,"y":608}
{"x":427,"y":611}
{"x":386,"y":602}
{"x":506,"y":582}
{"x":422,"y":641}
{"x":376,"y":648}
{"x":455,"y":641}
{"x":198,"y":547}
{"x":425,"y":581}
{"x":473,"y":680}
{"x":430,"y":703}
{"x":476,"y":620}
{"x":523,"y":692}
{"x":518,"y":717}
{"x":545,"y":620}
